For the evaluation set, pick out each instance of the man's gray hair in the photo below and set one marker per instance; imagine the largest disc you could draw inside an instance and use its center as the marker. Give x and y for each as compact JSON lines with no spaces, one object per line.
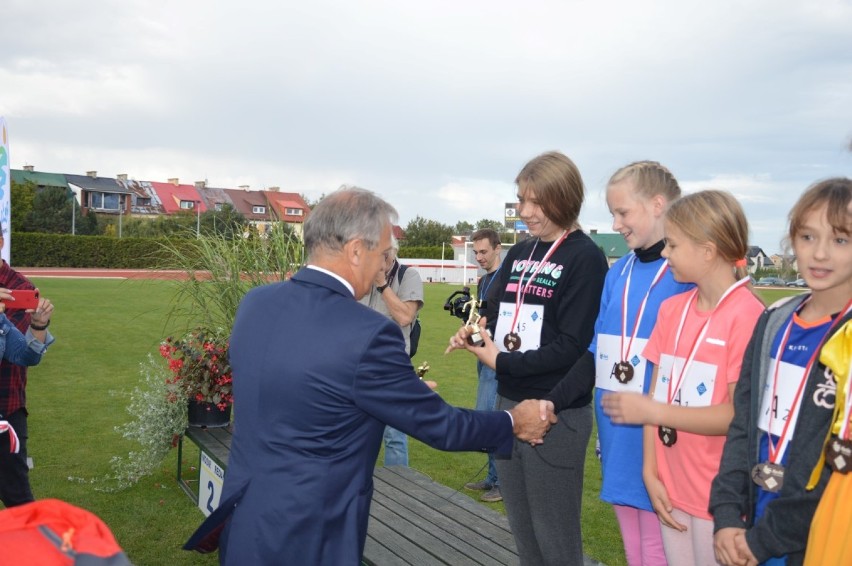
{"x":344,"y":215}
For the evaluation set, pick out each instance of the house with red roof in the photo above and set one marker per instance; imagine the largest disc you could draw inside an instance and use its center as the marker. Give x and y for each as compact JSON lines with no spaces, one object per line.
{"x":177,"y":198}
{"x":144,"y":202}
{"x":398,"y":233}
{"x":289,"y":208}
{"x":253,"y":205}
{"x":212,"y":197}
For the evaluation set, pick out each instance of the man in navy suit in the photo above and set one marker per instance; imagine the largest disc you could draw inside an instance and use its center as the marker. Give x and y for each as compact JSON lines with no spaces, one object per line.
{"x":317,"y":376}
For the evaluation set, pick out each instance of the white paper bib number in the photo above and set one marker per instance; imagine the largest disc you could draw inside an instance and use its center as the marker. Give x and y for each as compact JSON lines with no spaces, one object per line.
{"x":608,"y":353}
{"x":779,"y":408}
{"x":696,"y":389}
{"x":530,"y":319}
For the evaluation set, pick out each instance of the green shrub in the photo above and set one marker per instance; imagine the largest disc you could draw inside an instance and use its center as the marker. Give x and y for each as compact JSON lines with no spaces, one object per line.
{"x":31,"y":249}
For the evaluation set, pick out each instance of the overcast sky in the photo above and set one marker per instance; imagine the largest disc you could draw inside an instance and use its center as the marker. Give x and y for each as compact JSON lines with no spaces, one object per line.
{"x":435,"y":105}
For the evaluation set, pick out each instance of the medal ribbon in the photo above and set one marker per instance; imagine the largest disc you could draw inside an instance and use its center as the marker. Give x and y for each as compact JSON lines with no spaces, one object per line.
{"x":693,"y":349}
{"x":521,"y":292}
{"x":776,"y":452}
{"x":14,"y":443}
{"x":847,"y":407}
{"x":660,"y":272}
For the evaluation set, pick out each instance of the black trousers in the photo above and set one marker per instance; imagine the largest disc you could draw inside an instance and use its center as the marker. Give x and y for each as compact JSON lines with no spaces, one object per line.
{"x":14,"y":472}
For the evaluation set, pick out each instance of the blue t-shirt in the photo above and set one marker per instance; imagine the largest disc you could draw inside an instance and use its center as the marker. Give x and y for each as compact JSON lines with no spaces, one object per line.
{"x":803,"y":341}
{"x":621,"y":445}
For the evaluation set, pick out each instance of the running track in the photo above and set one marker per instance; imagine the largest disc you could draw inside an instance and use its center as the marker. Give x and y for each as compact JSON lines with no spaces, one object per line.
{"x":101,"y":273}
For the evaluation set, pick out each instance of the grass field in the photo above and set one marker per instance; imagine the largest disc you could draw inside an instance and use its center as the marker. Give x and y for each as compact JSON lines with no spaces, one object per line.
{"x":105,"y":328}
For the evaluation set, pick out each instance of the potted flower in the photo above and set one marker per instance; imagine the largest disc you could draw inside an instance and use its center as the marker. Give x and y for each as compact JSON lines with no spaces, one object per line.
{"x":199,"y":368}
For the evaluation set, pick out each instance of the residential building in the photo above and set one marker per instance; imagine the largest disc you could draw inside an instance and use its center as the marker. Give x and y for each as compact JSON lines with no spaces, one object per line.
{"x":40,"y":179}
{"x":613,"y":245}
{"x":253,"y":205}
{"x":103,"y":195}
{"x":289,"y":208}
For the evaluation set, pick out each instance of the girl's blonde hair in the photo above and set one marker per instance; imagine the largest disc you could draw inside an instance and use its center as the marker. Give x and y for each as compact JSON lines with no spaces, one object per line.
{"x":716,"y":217}
{"x":649,"y":180}
{"x":557,"y":185}
{"x":836,"y":194}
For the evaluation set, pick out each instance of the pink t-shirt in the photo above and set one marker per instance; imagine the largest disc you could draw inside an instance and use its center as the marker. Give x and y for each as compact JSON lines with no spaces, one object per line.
{"x":688,"y":467}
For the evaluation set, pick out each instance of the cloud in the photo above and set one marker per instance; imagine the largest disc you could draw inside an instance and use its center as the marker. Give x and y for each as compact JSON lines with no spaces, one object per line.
{"x":432,"y":103}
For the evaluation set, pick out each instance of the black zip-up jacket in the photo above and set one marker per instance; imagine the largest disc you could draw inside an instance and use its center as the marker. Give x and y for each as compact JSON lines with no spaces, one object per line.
{"x":783,"y":529}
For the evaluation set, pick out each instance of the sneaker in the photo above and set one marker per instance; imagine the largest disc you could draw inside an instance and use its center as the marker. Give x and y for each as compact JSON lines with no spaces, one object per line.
{"x":493,"y":495}
{"x":478,"y":486}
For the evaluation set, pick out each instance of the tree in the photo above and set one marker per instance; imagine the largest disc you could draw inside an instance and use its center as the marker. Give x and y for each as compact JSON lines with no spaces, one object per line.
{"x":463,"y":228}
{"x":312,"y":203}
{"x":423,"y":232}
{"x":227,"y":222}
{"x":51,"y":212}
{"x":85,"y":225}
{"x":22,"y":204}
{"x":495,"y":225}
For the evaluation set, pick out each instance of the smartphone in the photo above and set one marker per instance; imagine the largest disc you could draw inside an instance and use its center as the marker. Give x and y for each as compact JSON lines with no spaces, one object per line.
{"x":24,"y":299}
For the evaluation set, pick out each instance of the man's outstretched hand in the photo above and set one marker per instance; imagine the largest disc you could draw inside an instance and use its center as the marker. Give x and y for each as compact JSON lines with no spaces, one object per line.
{"x":531,"y":424}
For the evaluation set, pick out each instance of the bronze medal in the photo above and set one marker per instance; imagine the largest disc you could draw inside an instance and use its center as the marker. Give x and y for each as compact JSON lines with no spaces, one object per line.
{"x":512,"y":342}
{"x":668,"y":435}
{"x":838,"y":455}
{"x":768,"y":476}
{"x":623,"y":372}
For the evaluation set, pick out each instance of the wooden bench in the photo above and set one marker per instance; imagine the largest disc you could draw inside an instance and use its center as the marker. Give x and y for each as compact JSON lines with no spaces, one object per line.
{"x":413,"y":520}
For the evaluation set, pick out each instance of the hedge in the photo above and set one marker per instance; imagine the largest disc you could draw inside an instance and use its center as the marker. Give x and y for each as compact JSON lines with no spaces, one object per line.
{"x":30,"y":249}
{"x":63,"y":250}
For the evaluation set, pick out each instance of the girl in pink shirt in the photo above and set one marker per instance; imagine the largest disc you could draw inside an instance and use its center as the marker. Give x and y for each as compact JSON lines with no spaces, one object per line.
{"x":697,"y":348}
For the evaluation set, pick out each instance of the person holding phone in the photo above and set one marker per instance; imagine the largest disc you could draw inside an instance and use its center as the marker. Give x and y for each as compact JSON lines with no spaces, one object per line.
{"x":23,"y":340}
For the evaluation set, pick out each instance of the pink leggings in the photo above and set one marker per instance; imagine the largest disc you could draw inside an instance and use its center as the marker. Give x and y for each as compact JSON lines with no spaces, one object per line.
{"x":640,"y":531}
{"x":693,"y":547}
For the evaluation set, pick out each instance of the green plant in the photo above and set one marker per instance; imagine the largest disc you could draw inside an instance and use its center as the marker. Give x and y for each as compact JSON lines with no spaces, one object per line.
{"x":158,"y":417}
{"x":199,"y":368}
{"x":220,"y":271}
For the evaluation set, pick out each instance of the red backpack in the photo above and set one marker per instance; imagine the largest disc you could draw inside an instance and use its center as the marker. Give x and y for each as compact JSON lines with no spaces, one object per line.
{"x":51,"y":532}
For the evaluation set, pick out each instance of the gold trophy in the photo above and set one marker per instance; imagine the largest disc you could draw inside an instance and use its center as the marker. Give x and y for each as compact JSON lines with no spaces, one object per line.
{"x":475,"y":337}
{"x":422,"y":369}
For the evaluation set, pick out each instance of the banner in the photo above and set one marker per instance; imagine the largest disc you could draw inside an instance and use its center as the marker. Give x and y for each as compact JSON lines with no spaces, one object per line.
{"x":5,"y":189}
{"x":511,"y":209}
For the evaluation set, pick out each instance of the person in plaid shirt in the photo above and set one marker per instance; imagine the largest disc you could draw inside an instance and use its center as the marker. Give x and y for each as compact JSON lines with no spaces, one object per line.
{"x":14,"y":471}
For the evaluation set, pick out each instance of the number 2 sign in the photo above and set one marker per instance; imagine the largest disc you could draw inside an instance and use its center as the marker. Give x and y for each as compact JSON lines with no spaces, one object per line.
{"x":210,"y":478}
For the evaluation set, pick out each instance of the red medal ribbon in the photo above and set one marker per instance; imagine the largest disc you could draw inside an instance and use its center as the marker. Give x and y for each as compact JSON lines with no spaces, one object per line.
{"x":660,"y":272}
{"x":776,"y":452}
{"x":522,"y":289}
{"x":14,"y":443}
{"x":693,"y":349}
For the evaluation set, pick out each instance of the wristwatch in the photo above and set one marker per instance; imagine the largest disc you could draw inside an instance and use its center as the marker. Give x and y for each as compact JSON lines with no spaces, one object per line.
{"x":381,"y":288}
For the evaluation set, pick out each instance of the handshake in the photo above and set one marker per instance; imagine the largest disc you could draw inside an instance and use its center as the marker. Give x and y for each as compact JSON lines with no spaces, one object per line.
{"x":532,"y":419}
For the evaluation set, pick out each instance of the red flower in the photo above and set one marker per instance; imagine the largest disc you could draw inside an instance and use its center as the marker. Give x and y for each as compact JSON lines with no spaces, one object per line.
{"x":199,"y":367}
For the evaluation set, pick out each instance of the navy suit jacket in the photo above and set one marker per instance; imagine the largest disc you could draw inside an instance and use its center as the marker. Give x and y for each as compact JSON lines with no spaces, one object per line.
{"x":317,"y":376}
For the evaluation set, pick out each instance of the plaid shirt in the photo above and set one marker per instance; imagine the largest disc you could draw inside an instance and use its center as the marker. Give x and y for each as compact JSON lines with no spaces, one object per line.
{"x":13,"y":378}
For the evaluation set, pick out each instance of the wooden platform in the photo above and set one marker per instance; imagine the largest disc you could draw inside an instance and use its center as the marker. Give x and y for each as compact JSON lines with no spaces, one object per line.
{"x":413,"y":520}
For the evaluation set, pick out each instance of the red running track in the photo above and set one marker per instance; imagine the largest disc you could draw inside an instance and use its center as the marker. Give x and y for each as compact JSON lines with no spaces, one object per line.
{"x":101,"y":273}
